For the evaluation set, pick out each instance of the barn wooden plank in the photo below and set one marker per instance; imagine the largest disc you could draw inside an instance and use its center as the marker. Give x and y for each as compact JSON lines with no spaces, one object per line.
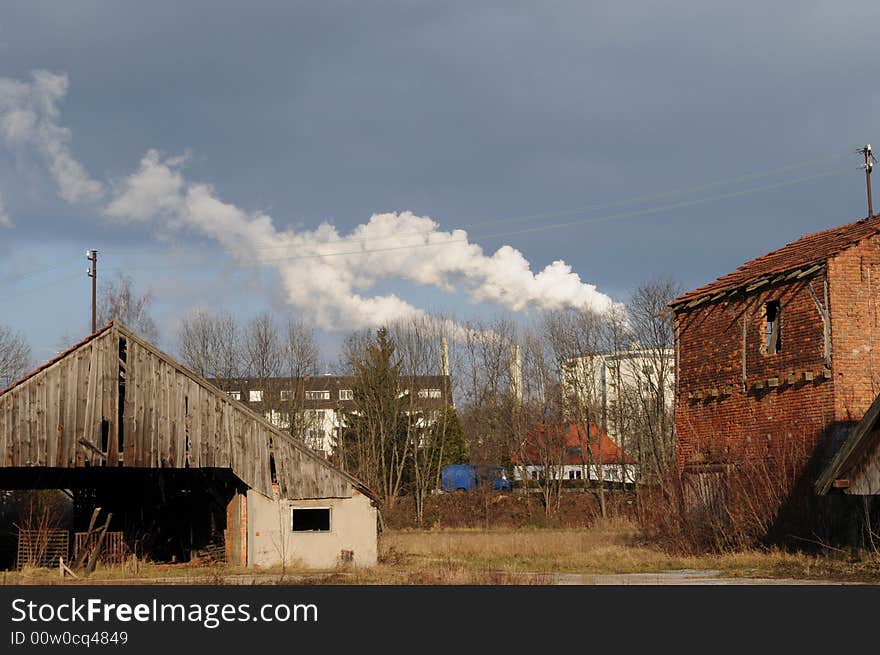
{"x":39,"y":422}
{"x":81,"y":400}
{"x":4,"y":430}
{"x":70,"y":404}
{"x":161,"y":393}
{"x":87,"y":404}
{"x":52,"y":416}
{"x":195,"y":444}
{"x":167,"y":414}
{"x":129,"y":410}
{"x":181,"y":420}
{"x":111,"y":410}
{"x":204,"y":437}
{"x":29,"y":452}
{"x":143,"y":390}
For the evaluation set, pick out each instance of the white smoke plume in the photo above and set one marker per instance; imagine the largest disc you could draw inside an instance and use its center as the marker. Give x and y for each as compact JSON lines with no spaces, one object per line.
{"x":28,"y":121}
{"x":324,"y":273}
{"x":5,"y":221}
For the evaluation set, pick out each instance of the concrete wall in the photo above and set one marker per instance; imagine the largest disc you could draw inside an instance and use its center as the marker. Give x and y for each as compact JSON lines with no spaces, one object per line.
{"x":353,"y":527}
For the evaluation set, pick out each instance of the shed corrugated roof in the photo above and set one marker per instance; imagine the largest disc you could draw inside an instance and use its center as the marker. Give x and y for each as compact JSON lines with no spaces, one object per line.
{"x":807,"y":251}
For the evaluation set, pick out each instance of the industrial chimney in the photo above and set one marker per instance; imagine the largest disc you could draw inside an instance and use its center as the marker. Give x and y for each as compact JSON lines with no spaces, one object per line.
{"x":515,"y":372}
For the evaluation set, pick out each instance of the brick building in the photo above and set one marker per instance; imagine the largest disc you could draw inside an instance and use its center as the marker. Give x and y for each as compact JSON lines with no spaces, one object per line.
{"x":777,"y":360}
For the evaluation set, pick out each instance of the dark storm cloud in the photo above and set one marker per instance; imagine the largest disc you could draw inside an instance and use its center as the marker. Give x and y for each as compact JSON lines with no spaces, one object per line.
{"x":463,"y":111}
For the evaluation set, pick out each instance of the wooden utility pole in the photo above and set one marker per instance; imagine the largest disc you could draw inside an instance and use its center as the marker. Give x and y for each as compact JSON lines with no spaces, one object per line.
{"x":92,"y":256}
{"x":869,"y":165}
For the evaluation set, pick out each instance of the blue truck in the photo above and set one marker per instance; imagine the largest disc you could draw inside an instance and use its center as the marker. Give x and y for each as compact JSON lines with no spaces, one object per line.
{"x":468,"y":477}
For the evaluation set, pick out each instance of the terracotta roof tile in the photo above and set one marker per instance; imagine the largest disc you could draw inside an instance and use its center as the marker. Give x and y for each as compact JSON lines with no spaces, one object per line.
{"x":570,"y":440}
{"x":807,"y":251}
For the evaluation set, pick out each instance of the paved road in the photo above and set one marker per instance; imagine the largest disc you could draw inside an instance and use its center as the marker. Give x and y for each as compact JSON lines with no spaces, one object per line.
{"x":682,"y":577}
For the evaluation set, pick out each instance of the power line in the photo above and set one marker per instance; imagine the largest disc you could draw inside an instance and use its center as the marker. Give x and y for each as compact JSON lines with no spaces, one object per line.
{"x":617,"y":203}
{"x":539,"y":228}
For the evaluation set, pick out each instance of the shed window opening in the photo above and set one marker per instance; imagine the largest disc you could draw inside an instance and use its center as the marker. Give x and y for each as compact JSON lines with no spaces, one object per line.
{"x":772,"y":329}
{"x":312,"y":519}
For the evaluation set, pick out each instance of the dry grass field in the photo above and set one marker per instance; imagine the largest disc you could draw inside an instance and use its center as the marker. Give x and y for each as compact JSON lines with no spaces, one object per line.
{"x":501,"y":556}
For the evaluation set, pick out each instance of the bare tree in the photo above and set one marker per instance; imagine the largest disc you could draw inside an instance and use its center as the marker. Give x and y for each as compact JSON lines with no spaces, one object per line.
{"x":262,"y":348}
{"x":652,"y":327}
{"x":301,"y":360}
{"x":486,"y":389}
{"x":15,"y":355}
{"x":208,"y":344}
{"x":536,"y":417}
{"x":119,"y":301}
{"x":575,"y":337}
{"x":421,"y":342}
{"x":263,"y":361}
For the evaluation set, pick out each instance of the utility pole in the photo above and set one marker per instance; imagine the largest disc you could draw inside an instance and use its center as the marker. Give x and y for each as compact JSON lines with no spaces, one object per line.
{"x":869,"y":165}
{"x":92,"y":256}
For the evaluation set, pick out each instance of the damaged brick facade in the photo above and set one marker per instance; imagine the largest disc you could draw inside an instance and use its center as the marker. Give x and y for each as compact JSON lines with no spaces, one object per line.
{"x":737,"y":401}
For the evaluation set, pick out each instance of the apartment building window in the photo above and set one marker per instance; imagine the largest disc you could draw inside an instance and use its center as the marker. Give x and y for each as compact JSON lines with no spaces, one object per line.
{"x":346,"y":394}
{"x":235,"y":395}
{"x":317,"y":395}
{"x":285,"y":395}
{"x":255,"y":395}
{"x":429,"y":393}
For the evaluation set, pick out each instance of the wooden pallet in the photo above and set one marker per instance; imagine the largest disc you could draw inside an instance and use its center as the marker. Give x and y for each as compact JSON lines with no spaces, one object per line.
{"x":41,"y":548}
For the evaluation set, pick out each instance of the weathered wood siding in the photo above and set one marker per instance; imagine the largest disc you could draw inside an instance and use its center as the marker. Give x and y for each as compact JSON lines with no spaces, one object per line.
{"x":55,"y":417}
{"x":67,"y":415}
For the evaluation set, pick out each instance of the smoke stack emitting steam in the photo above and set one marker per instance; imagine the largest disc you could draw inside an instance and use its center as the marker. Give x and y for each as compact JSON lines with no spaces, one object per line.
{"x":324,"y":272}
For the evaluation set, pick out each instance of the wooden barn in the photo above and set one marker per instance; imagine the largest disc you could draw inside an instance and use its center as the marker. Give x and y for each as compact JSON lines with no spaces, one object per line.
{"x":183,"y":468}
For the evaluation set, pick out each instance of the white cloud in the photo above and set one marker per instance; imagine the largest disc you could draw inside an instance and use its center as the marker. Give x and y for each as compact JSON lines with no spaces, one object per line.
{"x":28,"y":119}
{"x":330,"y":274}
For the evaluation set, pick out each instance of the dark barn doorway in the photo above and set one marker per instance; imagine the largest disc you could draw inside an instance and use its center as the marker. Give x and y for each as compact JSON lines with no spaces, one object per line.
{"x":165,"y":515}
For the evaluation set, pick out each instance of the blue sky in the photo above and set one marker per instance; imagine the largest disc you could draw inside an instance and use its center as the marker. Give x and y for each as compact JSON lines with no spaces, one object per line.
{"x":465,"y":112}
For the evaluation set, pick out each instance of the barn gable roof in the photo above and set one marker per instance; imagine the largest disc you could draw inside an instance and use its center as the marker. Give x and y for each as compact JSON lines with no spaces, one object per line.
{"x":245,"y":447}
{"x":798,"y":259}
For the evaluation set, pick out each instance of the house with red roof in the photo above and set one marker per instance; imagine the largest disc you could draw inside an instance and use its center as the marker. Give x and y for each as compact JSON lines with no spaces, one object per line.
{"x":572,"y":452}
{"x":778,"y":360}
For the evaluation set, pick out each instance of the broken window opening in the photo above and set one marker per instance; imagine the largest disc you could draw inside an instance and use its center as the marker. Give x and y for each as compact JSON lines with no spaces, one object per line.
{"x":312,"y":519}
{"x":772,"y":331}
{"x":105,"y":435}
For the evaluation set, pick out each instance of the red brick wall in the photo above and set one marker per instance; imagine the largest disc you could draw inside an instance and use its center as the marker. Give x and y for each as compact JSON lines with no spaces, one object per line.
{"x":854,"y":288}
{"x":742,"y":421}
